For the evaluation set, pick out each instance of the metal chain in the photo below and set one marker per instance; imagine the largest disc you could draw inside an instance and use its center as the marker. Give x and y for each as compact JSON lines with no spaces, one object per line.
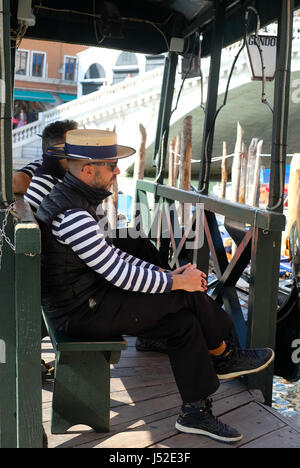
{"x":3,"y":236}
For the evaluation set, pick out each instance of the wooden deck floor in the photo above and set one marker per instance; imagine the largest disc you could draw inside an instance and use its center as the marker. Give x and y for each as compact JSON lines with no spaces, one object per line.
{"x":145,"y":404}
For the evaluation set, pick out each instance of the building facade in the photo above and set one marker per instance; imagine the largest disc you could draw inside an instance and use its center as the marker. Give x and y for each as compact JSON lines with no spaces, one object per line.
{"x":101,"y":67}
{"x":46,"y":75}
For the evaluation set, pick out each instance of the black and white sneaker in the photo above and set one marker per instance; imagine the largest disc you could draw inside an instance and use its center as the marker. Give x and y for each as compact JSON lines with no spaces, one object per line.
{"x":235,"y":362}
{"x":197,"y":418}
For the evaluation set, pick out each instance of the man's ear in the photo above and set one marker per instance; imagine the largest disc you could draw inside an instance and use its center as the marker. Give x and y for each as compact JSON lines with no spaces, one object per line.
{"x":88,"y":171}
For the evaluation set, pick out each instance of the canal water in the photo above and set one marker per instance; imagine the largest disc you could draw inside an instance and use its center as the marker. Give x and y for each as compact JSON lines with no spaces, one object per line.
{"x":286,"y":395}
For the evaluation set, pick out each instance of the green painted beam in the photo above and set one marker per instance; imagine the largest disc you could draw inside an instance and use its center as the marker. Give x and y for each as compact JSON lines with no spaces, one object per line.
{"x":256,"y":217}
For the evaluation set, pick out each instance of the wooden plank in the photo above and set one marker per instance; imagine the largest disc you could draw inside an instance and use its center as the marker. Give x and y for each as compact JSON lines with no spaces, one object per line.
{"x":145,"y":404}
{"x":131,"y":351}
{"x":128,"y":383}
{"x":142,"y":361}
{"x":82,"y":435}
{"x":282,"y":438}
{"x":141,"y":371}
{"x":228,"y":388}
{"x":141,"y":436}
{"x":141,"y":409}
{"x":140,"y":394}
{"x":251,"y":419}
{"x":294,"y":423}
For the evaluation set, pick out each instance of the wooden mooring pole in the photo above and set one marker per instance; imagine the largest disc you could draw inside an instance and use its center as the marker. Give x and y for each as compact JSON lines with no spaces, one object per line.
{"x":185,"y":167}
{"x":224,"y":170}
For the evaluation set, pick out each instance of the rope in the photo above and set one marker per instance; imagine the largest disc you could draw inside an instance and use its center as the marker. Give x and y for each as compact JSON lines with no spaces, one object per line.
{"x":219,"y":158}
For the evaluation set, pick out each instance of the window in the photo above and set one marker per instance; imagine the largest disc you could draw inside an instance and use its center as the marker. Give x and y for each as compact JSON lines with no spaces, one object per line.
{"x":154,"y":61}
{"x":94,"y":71}
{"x":121,"y":75}
{"x":21,"y":62}
{"x":126,"y":58}
{"x":126,"y":66}
{"x":38,"y":64}
{"x":70,"y":68}
{"x":93,"y":79}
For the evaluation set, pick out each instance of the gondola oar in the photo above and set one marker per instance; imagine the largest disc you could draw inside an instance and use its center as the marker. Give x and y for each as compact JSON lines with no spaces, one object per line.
{"x":288,"y":318}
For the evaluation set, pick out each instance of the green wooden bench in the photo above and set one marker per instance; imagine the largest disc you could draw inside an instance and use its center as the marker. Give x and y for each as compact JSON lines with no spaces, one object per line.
{"x":82,"y":381}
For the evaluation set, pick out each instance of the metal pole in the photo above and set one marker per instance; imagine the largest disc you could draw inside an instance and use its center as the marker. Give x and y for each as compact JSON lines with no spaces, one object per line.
{"x":212,"y":97}
{"x":281,"y":106}
{"x":160,"y":113}
{"x":209,"y":124}
{"x":162,"y":137}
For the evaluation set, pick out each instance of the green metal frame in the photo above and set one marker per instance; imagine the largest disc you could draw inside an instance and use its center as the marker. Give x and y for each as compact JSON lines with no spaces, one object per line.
{"x":20,"y":403}
{"x":20,"y":331}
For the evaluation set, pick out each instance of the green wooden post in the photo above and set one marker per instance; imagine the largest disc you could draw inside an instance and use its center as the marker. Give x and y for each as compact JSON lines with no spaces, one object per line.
{"x":28,"y":323}
{"x":262,"y":304}
{"x":8,"y":429}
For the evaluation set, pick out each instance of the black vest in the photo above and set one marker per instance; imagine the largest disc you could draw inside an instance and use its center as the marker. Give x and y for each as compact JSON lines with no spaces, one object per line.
{"x":67,"y":282}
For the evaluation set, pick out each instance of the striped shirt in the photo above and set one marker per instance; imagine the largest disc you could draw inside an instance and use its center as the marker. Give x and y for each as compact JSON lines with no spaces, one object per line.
{"x":78,"y":229}
{"x":39,"y":187}
{"x":30,"y":168}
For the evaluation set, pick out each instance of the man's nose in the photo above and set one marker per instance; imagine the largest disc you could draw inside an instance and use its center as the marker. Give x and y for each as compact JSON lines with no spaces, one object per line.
{"x":117,"y":171}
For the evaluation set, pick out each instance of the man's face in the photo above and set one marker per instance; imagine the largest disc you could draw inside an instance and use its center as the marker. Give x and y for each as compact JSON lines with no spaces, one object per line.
{"x":104,"y":176}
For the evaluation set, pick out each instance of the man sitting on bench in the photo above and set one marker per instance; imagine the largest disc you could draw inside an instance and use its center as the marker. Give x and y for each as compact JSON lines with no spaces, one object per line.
{"x":95,"y":291}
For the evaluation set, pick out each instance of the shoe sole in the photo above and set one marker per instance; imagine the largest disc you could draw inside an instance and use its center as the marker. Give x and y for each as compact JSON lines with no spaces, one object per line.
{"x":194,"y":430}
{"x":234,"y":375}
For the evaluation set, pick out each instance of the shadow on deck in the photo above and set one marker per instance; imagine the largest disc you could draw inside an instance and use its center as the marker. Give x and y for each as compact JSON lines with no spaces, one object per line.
{"x":145,"y":404}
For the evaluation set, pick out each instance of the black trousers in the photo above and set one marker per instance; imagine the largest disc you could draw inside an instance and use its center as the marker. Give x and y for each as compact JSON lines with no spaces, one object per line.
{"x":191,"y":324}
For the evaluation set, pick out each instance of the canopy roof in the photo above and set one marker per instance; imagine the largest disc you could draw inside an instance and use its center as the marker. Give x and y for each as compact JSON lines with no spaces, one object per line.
{"x":139,"y":25}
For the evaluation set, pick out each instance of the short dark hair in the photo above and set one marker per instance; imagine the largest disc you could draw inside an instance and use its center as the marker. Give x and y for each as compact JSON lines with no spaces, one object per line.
{"x":55,"y":132}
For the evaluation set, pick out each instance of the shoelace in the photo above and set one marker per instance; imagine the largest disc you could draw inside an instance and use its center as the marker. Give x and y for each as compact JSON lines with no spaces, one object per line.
{"x":251,"y":353}
{"x":220,"y":426}
{"x":232,"y":349}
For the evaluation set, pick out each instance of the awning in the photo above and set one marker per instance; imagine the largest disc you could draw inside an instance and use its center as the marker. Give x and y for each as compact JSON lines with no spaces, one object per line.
{"x":145,"y":27}
{"x":34,"y":96}
{"x":67,"y":97}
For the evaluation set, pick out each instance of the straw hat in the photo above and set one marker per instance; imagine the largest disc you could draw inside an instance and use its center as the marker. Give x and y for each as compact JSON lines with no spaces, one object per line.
{"x":91,"y":144}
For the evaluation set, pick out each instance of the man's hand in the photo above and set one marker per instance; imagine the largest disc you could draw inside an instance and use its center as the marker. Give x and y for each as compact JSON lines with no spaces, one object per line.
{"x":190,"y":279}
{"x":20,"y":182}
{"x":195,"y":280}
{"x":183,"y":268}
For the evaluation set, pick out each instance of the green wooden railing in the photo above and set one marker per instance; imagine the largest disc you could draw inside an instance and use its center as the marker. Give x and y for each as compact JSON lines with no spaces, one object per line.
{"x":259,"y":243}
